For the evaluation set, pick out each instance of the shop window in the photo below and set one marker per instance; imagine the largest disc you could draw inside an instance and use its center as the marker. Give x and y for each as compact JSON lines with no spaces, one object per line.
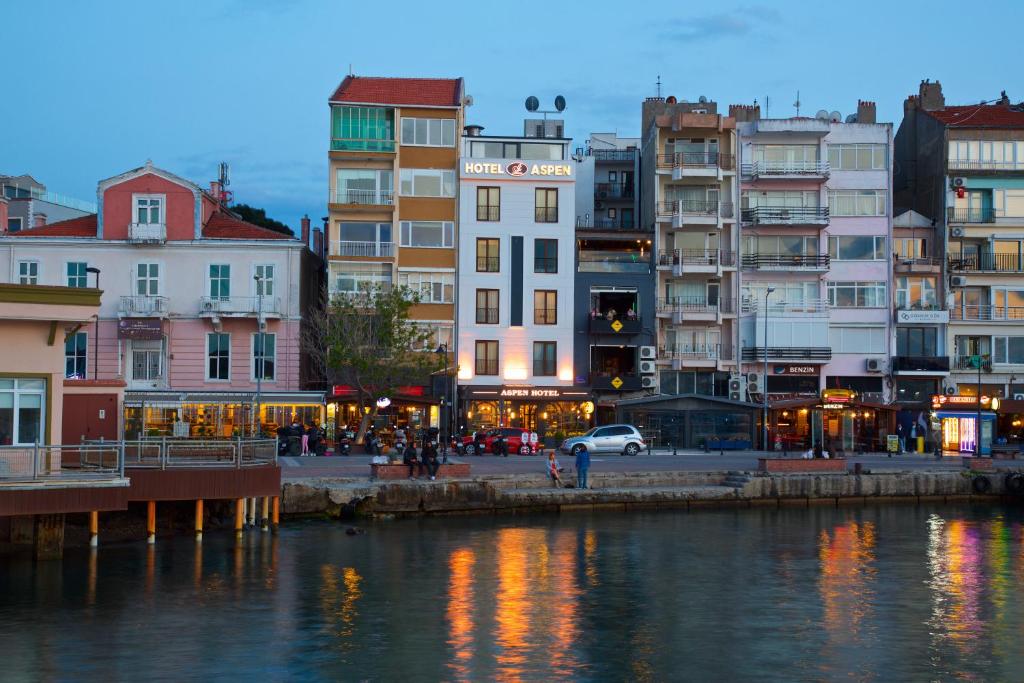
{"x":75,"y":353}
{"x":22,"y":411}
{"x":544,"y":359}
{"x":915,"y":390}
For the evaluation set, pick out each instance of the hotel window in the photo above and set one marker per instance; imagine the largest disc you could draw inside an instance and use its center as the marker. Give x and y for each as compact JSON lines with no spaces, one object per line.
{"x":857,"y":157}
{"x":148,"y":360}
{"x":488,"y":203}
{"x":428,"y":132}
{"x":487,"y":358}
{"x":487,"y":306}
{"x":22,"y":403}
{"x":487,"y":259}
{"x":77,"y":275}
{"x":916,"y":293}
{"x":147,"y":279}
{"x":546,"y":205}
{"x":367,"y":129}
{"x":264,"y":356}
{"x":220,"y":281}
{"x":433,"y":288}
{"x":545,"y":256}
{"x":148,"y":209}
{"x":857,"y":247}
{"x":856,"y":202}
{"x":28,"y":272}
{"x":921,"y":342}
{"x":364,"y":186}
{"x":264,"y":286}
{"x":910,"y":248}
{"x":76,"y":348}
{"x":218,"y":356}
{"x":545,"y":307}
{"x":856,"y":294}
{"x":427,"y":182}
{"x":544,"y":361}
{"x":432,"y":234}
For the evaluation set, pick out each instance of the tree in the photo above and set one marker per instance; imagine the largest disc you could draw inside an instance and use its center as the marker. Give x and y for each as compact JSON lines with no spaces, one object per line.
{"x":367,"y":341}
{"x":259,"y":217}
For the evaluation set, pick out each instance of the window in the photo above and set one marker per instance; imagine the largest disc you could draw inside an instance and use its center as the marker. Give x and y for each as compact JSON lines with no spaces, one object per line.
{"x":148,"y":209}
{"x":363,"y":239}
{"x":751,"y":199}
{"x":917,"y":341}
{"x":856,"y":339}
{"x":264,"y":356}
{"x":487,"y":358}
{"x":857,"y":157}
{"x":856,"y":294}
{"x":428,"y":132}
{"x":488,"y":204}
{"x":28,"y":272}
{"x":540,"y":151}
{"x":76,"y":274}
{"x":364,"y":186}
{"x":147,"y":279}
{"x":76,"y":349}
{"x":439,"y":234}
{"x":220,"y":281}
{"x":910,"y":248}
{"x":964,"y":154}
{"x":857,"y":247}
{"x":487,"y":259}
{"x":148,"y":360}
{"x":856,"y":202}
{"x":544,"y":363}
{"x":916,"y":293}
{"x":351,"y":278}
{"x":434,"y":288}
{"x":784,"y":154}
{"x":437,"y":333}
{"x":546,"y":205}
{"x":263,"y":279}
{"x":915,"y":390}
{"x":487,"y":307}
{"x":22,"y":416}
{"x":14,"y":224}
{"x":427,"y":182}
{"x":782,"y":245}
{"x":369,"y":129}
{"x":218,"y":356}
{"x":545,"y":256}
{"x":545,"y":307}
{"x":1008,"y":349}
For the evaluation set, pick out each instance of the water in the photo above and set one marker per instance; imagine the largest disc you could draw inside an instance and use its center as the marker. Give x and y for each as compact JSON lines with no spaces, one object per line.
{"x":873,"y":594}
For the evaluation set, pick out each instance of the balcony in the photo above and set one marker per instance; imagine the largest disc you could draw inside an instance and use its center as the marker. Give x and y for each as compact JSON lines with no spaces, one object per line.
{"x":689,"y":164}
{"x":609,"y":225}
{"x":620,"y":325}
{"x":917,"y":264}
{"x":147,"y":233}
{"x":349,"y":248}
{"x":361,"y":145}
{"x":969,"y":216}
{"x":686,"y":212}
{"x":985,"y":262}
{"x":780,"y":353}
{"x":625,"y":381}
{"x":987,"y":313}
{"x":694,"y":309}
{"x":607,"y":261}
{"x":695,"y":355}
{"x":803,"y":170}
{"x":613,"y":191}
{"x":786,"y":215}
{"x":809,"y":308}
{"x":143,"y":307}
{"x":617,"y":155}
{"x":697,"y":261}
{"x":787,"y":262}
{"x":240,"y":306}
{"x":364,"y":197}
{"x":920,"y":365}
{"x":987,"y":166}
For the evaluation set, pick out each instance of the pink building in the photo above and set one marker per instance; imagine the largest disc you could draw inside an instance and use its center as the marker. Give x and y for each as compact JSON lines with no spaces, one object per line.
{"x":187,"y":286}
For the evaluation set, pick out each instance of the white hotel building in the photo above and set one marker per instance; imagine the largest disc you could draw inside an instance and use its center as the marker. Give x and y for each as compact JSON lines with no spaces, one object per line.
{"x":515,"y":288}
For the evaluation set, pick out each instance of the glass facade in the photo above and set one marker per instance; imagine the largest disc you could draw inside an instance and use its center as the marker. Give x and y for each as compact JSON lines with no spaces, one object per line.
{"x":362,"y":129}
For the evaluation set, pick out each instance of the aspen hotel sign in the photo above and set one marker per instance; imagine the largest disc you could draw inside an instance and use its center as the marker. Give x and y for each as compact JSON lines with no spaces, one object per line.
{"x":516,"y":169}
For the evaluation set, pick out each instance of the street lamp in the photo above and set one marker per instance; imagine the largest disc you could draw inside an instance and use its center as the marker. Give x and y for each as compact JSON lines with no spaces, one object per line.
{"x":442,"y":350}
{"x":96,"y":335}
{"x":262,"y":360}
{"x":764,"y":389}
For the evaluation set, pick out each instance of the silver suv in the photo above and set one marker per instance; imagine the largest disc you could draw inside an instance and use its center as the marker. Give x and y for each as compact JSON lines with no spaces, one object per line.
{"x":623,"y":439}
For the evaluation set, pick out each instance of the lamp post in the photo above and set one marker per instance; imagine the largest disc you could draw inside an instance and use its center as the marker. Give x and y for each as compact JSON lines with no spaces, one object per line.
{"x":96,"y":335}
{"x":261,"y":361}
{"x":764,"y":389}
{"x":442,"y":350}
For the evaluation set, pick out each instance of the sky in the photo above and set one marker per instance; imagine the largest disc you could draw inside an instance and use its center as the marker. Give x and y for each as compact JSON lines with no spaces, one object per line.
{"x":93,"y":89}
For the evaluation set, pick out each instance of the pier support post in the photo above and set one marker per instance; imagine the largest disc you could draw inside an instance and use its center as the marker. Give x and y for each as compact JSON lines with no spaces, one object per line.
{"x":23,"y":530}
{"x":252,"y":512}
{"x":239,"y":516}
{"x":265,"y":514}
{"x":49,"y":537}
{"x":199,"y":519}
{"x":275,"y":511}
{"x":94,"y":528}
{"x":151,"y":522}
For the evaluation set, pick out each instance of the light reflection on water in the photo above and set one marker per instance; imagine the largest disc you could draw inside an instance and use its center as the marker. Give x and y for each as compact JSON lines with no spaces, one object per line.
{"x":875,"y":594}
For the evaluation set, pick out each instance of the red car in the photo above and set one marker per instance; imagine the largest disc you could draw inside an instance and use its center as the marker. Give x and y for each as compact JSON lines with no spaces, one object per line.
{"x":516,"y":441}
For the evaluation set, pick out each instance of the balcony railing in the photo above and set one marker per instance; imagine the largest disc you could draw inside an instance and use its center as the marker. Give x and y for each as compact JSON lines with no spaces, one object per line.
{"x":989,"y":165}
{"x":692,"y":352}
{"x":73,"y":464}
{"x":240,"y":305}
{"x":796,"y":308}
{"x":920,"y":363}
{"x":751,"y":353}
{"x":611,"y":224}
{"x":147,"y":232}
{"x":613,"y":154}
{"x":614,"y":262}
{"x":695,"y":207}
{"x":620,"y":324}
{"x":166,"y":454}
{"x":546,"y":214}
{"x":786,"y":261}
{"x":613,"y":191}
{"x":695,"y":304}
{"x":143,"y":306}
{"x":987,"y":313}
{"x":970,"y":215}
{"x":726,"y":162}
{"x":786,"y":215}
{"x":986,"y":262}
{"x":615,"y":381}
{"x":350,"y":248}
{"x":373,"y":197}
{"x":965,"y":363}
{"x":362,"y":145}
{"x":783,"y":168}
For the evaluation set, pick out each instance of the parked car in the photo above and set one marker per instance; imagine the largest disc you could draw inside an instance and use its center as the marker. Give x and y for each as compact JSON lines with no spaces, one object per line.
{"x":516,"y":441}
{"x":624,"y":439}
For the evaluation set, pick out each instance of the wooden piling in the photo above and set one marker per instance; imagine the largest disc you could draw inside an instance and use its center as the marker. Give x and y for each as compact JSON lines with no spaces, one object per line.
{"x":199,"y":519}
{"x":239,"y":516}
{"x":275,"y":513}
{"x":265,"y":515}
{"x":151,"y":522}
{"x":94,"y":528}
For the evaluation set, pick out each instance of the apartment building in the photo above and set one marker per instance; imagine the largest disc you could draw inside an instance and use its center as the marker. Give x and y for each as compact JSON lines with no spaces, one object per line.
{"x":516,"y":283}
{"x":815,"y":296}
{"x":26,"y":203}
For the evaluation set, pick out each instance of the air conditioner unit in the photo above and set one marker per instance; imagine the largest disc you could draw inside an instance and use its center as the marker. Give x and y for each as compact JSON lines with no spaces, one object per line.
{"x":649,"y":381}
{"x":875,"y":365}
{"x":956,"y":232}
{"x":958,"y":281}
{"x":753,"y":376}
{"x":209,"y":305}
{"x":648,"y":353}
{"x":755,"y":385}
{"x":958,"y":182}
{"x":950,"y":390}
{"x":735,"y":385}
{"x":647,"y":367}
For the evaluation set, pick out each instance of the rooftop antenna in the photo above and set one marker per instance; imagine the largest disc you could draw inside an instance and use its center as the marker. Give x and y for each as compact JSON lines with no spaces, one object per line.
{"x":658,"y":84}
{"x":767,"y":104}
{"x":350,"y":69}
{"x":797,"y":103}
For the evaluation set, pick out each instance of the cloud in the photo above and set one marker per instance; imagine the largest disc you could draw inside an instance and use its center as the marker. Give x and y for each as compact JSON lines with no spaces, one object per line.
{"x":738,"y":22}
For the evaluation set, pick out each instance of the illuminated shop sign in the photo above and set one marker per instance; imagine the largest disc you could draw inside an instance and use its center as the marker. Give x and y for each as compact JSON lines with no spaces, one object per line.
{"x":516,"y":169}
{"x":529,"y":393}
{"x":942,"y":401}
{"x":837,"y":395}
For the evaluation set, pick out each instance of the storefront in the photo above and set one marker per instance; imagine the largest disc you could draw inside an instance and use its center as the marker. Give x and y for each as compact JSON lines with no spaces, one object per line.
{"x":958,"y":422}
{"x":692,"y":421}
{"x":837,"y":421}
{"x":215,"y":415}
{"x":555,"y":412}
{"x":411,"y":408}
{"x":1010,"y":422}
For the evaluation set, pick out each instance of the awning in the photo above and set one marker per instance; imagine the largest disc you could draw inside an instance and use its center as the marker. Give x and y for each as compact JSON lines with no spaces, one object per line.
{"x":174,"y":399}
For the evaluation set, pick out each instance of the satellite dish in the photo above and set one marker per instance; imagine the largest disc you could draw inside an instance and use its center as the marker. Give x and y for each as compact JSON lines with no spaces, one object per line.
{"x":532,"y":103}
{"x":851,"y":118}
{"x":822,"y":114}
{"x":702,"y":99}
{"x":467,"y":101}
{"x":835,"y":117}
{"x":560,"y":103}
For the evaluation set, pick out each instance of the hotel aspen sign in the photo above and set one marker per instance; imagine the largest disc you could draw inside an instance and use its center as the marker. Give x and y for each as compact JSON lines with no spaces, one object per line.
{"x":516,"y":169}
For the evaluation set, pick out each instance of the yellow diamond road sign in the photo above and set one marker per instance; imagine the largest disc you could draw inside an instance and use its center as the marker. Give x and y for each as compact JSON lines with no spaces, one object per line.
{"x":617,"y":381}
{"x":617,"y":325}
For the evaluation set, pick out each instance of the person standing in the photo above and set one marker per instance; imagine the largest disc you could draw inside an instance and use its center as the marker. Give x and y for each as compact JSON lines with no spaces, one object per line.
{"x":582,"y":467}
{"x":304,"y":429}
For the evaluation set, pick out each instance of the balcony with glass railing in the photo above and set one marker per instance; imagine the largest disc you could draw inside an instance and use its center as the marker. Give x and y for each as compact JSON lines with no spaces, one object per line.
{"x":608,"y":261}
{"x":603,"y":191}
{"x":352,"y":248}
{"x":805,"y":170}
{"x":624,"y":224}
{"x":807,"y":307}
{"x":786,"y":215}
{"x":801,"y":262}
{"x":364,"y":197}
{"x":616,"y":155}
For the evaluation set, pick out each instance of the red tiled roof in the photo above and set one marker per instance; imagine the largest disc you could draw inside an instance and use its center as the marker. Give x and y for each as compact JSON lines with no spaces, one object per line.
{"x":980,"y":116}
{"x":83,"y":226}
{"x":429,"y":92}
{"x":223,"y":225}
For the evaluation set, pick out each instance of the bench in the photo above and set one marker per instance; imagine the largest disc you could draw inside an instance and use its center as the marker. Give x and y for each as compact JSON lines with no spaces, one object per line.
{"x":400,"y":471}
{"x":799,"y":465}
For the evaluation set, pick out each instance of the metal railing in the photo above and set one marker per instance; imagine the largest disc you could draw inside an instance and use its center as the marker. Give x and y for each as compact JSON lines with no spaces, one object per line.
{"x":613,"y":191}
{"x":775,"y":168}
{"x":786,"y":215}
{"x":169,"y":453}
{"x":351,"y":248}
{"x":694,"y":304}
{"x":362,"y":145}
{"x":141,"y":305}
{"x":786,"y":261}
{"x":688,"y":207}
{"x":147,"y":232}
{"x":986,"y":262}
{"x":970,"y":215}
{"x":52,"y":463}
{"x":756,"y":305}
{"x":547,"y":214}
{"x":485,"y":212}
{"x":240,"y":305}
{"x":987,"y":312}
{"x":613,"y":154}
{"x":751,"y":353}
{"x":990,"y":165}
{"x":908,"y":262}
{"x":607,"y":261}
{"x":965,"y":363}
{"x":692,"y":352}
{"x":608,"y":224}
{"x":920,"y":363}
{"x":726,"y":162}
{"x":375,"y":197}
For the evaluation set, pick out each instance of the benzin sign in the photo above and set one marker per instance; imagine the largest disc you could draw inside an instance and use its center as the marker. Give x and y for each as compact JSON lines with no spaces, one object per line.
{"x":516,"y":169}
